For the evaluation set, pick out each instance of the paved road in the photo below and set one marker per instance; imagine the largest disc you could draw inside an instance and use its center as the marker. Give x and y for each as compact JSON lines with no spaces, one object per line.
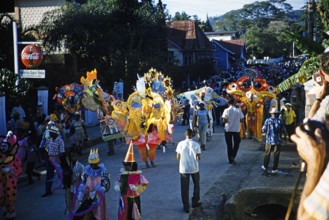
{"x":161,"y":200}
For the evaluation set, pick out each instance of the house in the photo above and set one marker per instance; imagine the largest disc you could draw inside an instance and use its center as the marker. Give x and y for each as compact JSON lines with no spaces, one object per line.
{"x":228,"y":52}
{"x":187,"y":44}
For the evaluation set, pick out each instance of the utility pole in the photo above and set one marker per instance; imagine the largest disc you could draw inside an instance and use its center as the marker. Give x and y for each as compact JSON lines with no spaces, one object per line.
{"x":310,"y":19}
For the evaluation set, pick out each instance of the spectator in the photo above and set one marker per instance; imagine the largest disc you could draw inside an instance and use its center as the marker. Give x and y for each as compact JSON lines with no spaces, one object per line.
{"x":202,"y":119}
{"x":232,"y":116}
{"x":273,"y":130}
{"x":322,"y":93}
{"x":31,"y":156}
{"x":290,"y":120}
{"x":314,"y":200}
{"x":18,"y":108}
{"x":73,"y":171}
{"x":188,"y":154}
{"x":80,"y":130}
{"x":13,"y":123}
{"x":54,"y":146}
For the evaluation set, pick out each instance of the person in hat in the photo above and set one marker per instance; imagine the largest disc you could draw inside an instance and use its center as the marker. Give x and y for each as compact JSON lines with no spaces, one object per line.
{"x":131,"y":183}
{"x":290,"y":120}
{"x":10,"y":168}
{"x":54,"y":147}
{"x":91,"y":195}
{"x":272,"y":128}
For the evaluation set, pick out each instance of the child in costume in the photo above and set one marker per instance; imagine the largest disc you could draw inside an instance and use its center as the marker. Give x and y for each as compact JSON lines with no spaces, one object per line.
{"x":10,"y":168}
{"x":131,"y":183}
{"x":91,"y":195}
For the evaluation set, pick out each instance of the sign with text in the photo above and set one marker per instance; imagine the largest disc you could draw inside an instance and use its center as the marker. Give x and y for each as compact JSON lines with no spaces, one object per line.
{"x":35,"y":74}
{"x":31,"y":56}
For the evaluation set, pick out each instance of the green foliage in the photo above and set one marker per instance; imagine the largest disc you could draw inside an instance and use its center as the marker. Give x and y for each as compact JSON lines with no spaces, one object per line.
{"x":181,"y":16}
{"x":323,"y":8}
{"x":263,"y":23}
{"x":118,"y":37}
{"x":6,"y":41}
{"x":9,"y":89}
{"x":306,"y":45}
{"x":305,"y":72}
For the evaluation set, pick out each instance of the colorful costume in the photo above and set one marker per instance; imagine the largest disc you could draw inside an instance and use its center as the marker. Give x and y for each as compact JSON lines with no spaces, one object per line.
{"x":150,"y":112}
{"x":10,"y":168}
{"x":251,"y":92}
{"x":91,"y":197}
{"x":131,"y":183}
{"x":95,"y":99}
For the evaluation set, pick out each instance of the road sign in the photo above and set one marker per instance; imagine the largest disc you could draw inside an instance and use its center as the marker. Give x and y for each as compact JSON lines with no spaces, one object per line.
{"x":35,"y":74}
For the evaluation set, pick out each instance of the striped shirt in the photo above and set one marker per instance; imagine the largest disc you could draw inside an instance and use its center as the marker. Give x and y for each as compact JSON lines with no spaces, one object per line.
{"x":317,"y":203}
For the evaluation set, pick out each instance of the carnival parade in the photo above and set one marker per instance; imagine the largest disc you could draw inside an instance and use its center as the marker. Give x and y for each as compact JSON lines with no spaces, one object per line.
{"x":124,"y":110}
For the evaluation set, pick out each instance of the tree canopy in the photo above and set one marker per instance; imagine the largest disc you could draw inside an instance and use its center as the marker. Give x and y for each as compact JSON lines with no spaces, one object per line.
{"x":262,"y":24}
{"x":123,"y":37}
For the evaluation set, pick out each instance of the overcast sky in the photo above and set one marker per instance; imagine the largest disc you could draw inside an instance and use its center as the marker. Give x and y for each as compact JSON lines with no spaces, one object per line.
{"x":214,"y":7}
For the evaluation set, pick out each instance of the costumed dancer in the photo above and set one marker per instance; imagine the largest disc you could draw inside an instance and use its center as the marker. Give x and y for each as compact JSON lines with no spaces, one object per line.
{"x":91,"y":196}
{"x":131,"y":183}
{"x":10,"y":168}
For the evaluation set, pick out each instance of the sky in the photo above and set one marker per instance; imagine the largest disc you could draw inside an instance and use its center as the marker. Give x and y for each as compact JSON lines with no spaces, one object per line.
{"x":214,"y":7}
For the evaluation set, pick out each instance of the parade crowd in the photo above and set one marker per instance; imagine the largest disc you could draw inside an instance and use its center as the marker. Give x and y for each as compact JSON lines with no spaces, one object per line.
{"x":56,"y":141}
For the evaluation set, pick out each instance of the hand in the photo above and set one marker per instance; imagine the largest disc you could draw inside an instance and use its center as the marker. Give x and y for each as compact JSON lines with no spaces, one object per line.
{"x":312,"y":151}
{"x":322,"y":93}
{"x":133,"y":187}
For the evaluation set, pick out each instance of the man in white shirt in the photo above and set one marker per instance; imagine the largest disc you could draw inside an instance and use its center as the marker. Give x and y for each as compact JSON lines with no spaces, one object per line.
{"x":188,"y":154}
{"x":232,"y":116}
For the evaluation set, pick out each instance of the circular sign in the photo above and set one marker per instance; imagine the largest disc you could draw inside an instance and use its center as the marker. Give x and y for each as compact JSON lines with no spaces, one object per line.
{"x":31,"y":56}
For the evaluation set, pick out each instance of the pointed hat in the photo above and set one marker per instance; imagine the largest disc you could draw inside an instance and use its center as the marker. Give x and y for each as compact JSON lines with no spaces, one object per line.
{"x":130,"y":157}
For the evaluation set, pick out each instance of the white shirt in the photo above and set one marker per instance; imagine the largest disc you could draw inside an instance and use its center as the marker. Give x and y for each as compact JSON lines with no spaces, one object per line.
{"x":233,"y":116}
{"x":188,"y":149}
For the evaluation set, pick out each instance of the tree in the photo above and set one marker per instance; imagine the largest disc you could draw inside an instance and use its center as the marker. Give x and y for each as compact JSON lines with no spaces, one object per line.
{"x":323,"y":8}
{"x":10,"y":90}
{"x":6,"y":41}
{"x":118,"y":37}
{"x":181,"y":16}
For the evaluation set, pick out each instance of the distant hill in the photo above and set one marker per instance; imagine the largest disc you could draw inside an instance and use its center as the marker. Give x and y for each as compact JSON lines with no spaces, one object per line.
{"x":294,"y":16}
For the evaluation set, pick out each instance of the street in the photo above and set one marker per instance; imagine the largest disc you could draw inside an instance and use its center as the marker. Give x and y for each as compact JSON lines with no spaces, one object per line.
{"x":161,"y":200}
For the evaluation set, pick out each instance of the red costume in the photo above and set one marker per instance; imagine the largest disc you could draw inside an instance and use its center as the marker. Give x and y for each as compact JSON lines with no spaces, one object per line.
{"x":10,"y":168}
